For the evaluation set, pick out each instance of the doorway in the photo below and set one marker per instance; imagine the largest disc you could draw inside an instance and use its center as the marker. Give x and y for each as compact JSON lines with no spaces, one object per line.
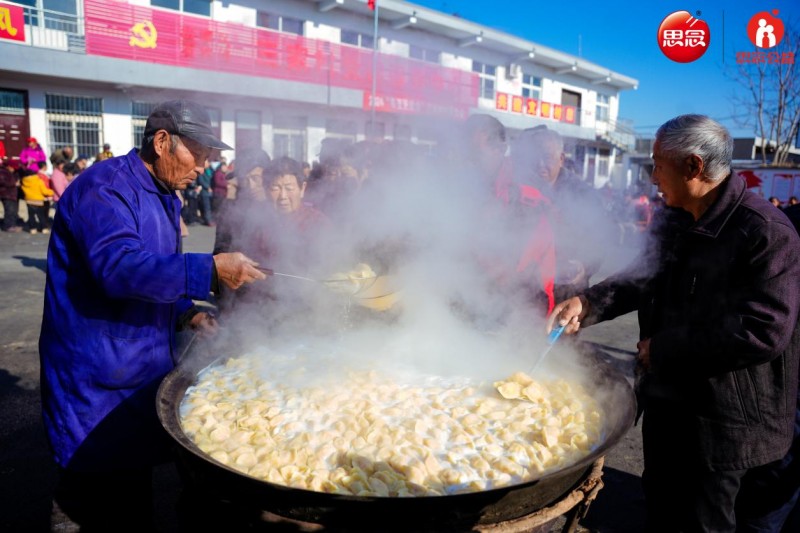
{"x":14,"y":124}
{"x":573,"y":99}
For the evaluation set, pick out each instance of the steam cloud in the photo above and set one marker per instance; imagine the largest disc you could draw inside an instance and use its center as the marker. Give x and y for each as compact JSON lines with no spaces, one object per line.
{"x":428,"y":222}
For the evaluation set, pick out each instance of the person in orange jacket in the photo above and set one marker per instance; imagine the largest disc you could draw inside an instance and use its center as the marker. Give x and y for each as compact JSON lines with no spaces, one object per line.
{"x":36,"y":193}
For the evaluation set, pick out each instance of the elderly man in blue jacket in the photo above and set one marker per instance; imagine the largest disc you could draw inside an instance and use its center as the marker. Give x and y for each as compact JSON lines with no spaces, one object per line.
{"x":718,"y":300}
{"x":117,"y":287}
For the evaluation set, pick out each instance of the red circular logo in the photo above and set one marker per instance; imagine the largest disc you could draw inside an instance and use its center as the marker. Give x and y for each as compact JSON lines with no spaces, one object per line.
{"x":682,"y":37}
{"x":765,"y":30}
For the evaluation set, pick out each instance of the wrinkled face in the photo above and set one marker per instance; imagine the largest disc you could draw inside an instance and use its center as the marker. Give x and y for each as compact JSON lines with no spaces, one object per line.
{"x":178,"y":163}
{"x":547,"y":157}
{"x":671,"y":178}
{"x":252,"y":184}
{"x":286,"y":194}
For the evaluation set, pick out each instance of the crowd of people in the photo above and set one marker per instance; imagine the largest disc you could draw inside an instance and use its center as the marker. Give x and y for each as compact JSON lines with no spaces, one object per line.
{"x":716,"y":288}
{"x":27,"y":179}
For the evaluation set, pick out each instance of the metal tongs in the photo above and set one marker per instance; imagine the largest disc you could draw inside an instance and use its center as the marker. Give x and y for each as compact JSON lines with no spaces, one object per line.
{"x":379,"y":293}
{"x":359,"y":284}
{"x":552,"y":337}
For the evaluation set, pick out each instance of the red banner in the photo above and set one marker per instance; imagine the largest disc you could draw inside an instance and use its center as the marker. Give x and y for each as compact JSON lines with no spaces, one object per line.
{"x":12,"y":22}
{"x":397,"y":104}
{"x":121,"y":30}
{"x":544,"y":109}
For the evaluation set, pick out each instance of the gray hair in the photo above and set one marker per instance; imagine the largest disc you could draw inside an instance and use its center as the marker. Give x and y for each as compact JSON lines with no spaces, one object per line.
{"x":685,"y":135}
{"x":542,"y":133}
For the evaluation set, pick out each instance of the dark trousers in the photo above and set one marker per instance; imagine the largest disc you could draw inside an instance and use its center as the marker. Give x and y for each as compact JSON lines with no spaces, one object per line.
{"x":37,"y":217}
{"x":120,"y":500}
{"x":216,"y":204}
{"x":190,"y":210}
{"x":205,"y":208}
{"x":680,"y":494}
{"x":10,"y":213}
{"x":770,"y":492}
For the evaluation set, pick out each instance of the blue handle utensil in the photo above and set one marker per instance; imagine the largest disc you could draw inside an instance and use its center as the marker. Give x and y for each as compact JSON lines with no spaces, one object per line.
{"x":552,"y":337}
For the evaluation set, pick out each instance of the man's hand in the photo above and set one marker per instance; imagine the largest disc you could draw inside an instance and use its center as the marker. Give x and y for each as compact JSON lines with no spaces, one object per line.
{"x":569,"y":313}
{"x":235,"y":269}
{"x":644,"y":354}
{"x":204,"y":324}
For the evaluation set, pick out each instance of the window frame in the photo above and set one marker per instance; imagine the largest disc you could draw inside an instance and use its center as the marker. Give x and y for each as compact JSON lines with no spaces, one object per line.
{"x":531,"y":87}
{"x":603,"y":107}
{"x":488,"y":79}
{"x":69,"y":115}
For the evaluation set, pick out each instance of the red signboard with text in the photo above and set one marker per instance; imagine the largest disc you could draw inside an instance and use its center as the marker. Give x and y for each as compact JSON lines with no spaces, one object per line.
{"x":535,"y":108}
{"x":121,"y":30}
{"x":501,"y":101}
{"x":516,"y":104}
{"x":12,"y":22}
{"x":531,"y":107}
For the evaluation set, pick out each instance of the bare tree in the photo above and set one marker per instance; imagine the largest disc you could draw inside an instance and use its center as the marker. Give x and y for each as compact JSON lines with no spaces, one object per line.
{"x":772,"y":95}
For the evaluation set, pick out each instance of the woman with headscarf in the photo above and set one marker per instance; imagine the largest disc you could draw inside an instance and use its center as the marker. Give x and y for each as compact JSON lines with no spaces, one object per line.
{"x":32,"y":155}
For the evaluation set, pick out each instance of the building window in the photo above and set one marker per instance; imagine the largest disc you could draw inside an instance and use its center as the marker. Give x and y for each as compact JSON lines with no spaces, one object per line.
{"x":487,"y":75}
{"x":75,"y":121}
{"x":402,"y":132}
{"x":424,"y":54}
{"x":341,"y":129}
{"x":375,"y":131}
{"x":427,"y":139}
{"x":289,"y":138}
{"x":197,"y":7}
{"x":280,"y":23}
{"x":602,"y":107}
{"x":139,"y":113}
{"x":531,"y":86}
{"x":603,"y":156}
{"x":12,"y":102}
{"x":357,"y":39}
{"x":248,"y":130}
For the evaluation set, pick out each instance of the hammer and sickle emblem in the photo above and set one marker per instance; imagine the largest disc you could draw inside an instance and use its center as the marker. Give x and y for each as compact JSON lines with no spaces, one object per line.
{"x":144,"y":35}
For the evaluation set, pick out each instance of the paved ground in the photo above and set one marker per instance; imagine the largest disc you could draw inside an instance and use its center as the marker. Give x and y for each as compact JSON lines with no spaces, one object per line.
{"x":27,"y":473}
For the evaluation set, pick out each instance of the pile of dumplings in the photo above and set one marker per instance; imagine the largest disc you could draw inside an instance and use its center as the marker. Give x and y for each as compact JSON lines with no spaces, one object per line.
{"x":366,"y":434}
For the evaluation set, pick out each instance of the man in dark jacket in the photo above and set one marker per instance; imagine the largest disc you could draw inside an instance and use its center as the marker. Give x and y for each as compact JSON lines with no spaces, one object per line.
{"x":118,"y":287}
{"x":9,"y":191}
{"x":718,"y":299}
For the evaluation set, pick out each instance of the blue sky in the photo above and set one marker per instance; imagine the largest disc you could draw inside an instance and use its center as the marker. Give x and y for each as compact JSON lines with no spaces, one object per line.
{"x":622,"y":36}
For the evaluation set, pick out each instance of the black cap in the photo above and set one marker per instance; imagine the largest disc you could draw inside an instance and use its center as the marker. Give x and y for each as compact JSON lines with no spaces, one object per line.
{"x":184,"y":118}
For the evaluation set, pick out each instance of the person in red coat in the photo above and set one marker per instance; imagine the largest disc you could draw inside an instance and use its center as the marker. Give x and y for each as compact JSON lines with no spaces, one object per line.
{"x":528,"y":261}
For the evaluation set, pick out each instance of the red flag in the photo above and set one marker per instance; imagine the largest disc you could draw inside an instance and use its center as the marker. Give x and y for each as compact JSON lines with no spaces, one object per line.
{"x":371,"y":4}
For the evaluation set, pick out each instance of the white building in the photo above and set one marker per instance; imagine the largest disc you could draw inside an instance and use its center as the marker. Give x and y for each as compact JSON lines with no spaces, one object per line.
{"x":284,"y":74}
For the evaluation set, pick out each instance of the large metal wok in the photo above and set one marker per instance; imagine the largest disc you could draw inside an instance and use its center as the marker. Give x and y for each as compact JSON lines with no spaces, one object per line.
{"x":354,"y":512}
